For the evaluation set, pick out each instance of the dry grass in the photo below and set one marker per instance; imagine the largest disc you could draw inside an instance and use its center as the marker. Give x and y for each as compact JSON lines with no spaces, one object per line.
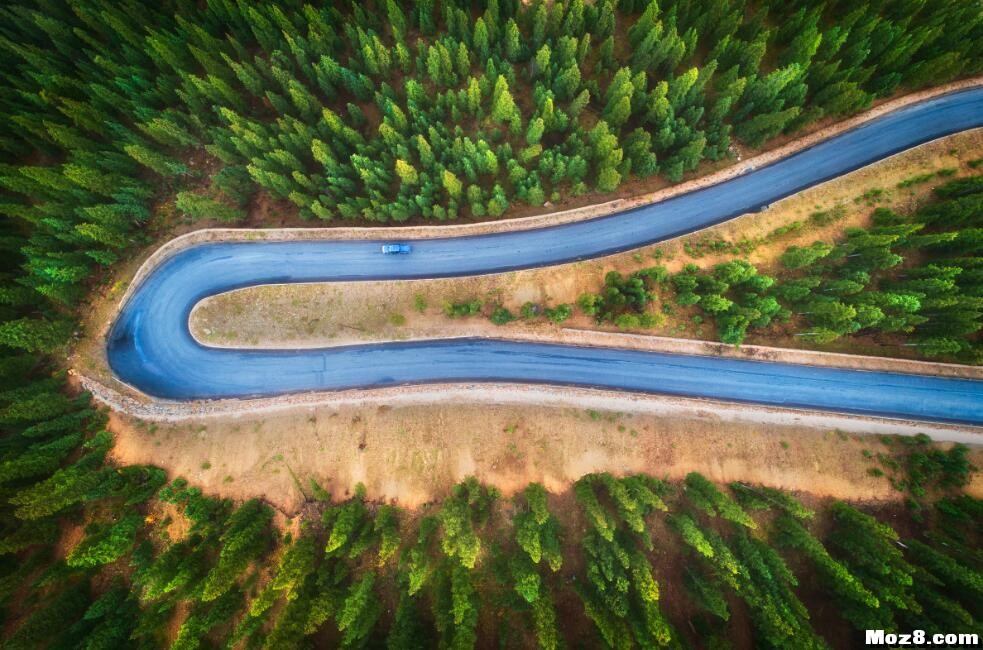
{"x":414,"y":454}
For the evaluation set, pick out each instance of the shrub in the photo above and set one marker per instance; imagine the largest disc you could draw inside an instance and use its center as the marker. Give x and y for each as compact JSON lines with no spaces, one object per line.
{"x":529,"y":311}
{"x":462,"y":309}
{"x":559,"y":313}
{"x":501,"y":316}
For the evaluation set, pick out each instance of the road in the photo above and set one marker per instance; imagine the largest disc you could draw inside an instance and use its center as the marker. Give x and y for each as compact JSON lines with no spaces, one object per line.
{"x":151,"y":348}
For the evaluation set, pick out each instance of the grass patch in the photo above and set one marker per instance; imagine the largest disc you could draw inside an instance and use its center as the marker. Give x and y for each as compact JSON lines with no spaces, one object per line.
{"x":916,"y":180}
{"x":708,"y":245}
{"x":872,"y":197}
{"x":822,"y":218}
{"x":788,"y":229}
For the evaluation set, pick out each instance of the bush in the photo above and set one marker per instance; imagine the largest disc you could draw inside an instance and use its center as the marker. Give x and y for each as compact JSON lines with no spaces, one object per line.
{"x":787,"y":229}
{"x":559,"y":313}
{"x":462,"y":309}
{"x":501,"y":316}
{"x":590,"y":303}
{"x":627,"y":321}
{"x":826,"y":217}
{"x":529,"y":311}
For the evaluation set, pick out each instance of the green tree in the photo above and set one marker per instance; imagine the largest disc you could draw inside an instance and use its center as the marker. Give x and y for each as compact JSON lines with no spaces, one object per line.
{"x":452,"y":184}
{"x":244,"y":539}
{"x":197,"y":206}
{"x":35,"y":334}
{"x":407,"y":172}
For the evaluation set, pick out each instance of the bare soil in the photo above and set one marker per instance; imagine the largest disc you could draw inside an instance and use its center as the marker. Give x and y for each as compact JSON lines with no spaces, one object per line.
{"x":413,"y":454}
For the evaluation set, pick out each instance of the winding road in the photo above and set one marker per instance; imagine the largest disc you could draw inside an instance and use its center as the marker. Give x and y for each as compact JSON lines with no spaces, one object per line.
{"x":151,"y":348}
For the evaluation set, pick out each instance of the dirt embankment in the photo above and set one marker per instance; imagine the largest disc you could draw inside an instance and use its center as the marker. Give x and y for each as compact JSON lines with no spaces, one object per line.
{"x":411,"y":451}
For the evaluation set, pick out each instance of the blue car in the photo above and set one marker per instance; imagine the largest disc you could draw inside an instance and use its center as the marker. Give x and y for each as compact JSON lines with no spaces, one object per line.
{"x":396,"y":249}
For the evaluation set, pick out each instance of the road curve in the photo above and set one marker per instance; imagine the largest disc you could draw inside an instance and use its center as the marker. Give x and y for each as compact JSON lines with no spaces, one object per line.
{"x":151,"y":347}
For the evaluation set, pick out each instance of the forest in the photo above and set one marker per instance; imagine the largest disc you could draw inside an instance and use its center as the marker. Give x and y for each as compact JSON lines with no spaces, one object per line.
{"x":160,"y":564}
{"x":113,"y":114}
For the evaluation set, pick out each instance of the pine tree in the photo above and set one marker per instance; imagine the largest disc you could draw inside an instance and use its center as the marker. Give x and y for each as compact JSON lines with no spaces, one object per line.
{"x":503,"y":105}
{"x":35,"y":334}
{"x":513,"y":41}
{"x":197,"y":206}
{"x":452,"y":184}
{"x":407,"y":172}
{"x":155,"y":160}
{"x":244,"y":539}
{"x":857,"y":604}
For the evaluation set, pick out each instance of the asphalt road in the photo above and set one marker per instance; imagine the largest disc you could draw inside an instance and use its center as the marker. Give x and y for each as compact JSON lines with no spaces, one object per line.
{"x":151,"y":348}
